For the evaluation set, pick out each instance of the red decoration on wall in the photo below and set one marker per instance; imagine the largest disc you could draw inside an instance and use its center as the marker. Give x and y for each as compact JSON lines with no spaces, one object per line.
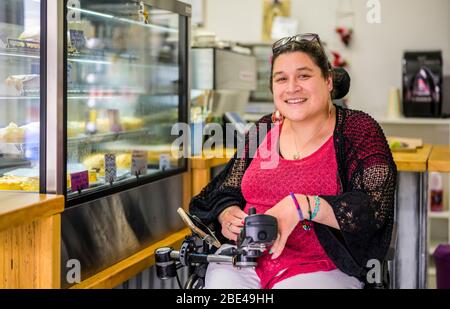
{"x":338,"y":60}
{"x":346,"y":35}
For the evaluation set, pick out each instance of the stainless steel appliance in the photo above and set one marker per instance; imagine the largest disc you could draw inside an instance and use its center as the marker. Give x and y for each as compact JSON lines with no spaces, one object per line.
{"x":222,"y":80}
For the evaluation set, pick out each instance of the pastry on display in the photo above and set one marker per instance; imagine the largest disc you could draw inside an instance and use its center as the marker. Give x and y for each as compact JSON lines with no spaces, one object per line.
{"x":123,"y":160}
{"x":75,"y":128}
{"x":12,"y":134}
{"x":19,"y":183}
{"x":102,"y":125}
{"x":131,"y":123}
{"x":95,"y":162}
{"x":24,"y":82}
{"x":30,"y":184}
{"x":32,"y":34}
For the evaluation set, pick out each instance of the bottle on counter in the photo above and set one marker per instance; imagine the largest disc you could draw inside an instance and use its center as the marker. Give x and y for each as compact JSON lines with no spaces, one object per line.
{"x":436,"y":192}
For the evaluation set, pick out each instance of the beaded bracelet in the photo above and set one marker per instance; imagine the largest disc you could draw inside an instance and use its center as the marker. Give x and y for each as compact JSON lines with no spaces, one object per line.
{"x":316,"y":208}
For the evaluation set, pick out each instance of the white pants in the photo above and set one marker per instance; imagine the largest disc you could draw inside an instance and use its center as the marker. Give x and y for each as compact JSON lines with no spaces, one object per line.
{"x":221,"y":276}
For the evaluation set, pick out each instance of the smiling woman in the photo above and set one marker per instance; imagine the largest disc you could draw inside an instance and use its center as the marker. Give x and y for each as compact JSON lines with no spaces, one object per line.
{"x":331,"y":191}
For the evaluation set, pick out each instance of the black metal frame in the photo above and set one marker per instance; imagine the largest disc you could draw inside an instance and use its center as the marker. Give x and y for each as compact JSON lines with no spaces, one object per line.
{"x":184,"y":11}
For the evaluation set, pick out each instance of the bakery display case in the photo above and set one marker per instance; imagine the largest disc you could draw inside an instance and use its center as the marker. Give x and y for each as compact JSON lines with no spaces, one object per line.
{"x":124,"y":92}
{"x":123,"y":70}
{"x":87,"y":110}
{"x":20,"y":95}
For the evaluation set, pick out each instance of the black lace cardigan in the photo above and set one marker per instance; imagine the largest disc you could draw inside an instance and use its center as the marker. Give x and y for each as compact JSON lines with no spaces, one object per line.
{"x":364,"y":208}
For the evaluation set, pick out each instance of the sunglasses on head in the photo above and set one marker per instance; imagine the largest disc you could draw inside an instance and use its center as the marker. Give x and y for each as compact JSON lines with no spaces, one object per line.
{"x":307,"y":37}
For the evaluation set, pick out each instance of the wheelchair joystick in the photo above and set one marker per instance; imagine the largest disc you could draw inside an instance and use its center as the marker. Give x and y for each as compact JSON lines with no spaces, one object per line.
{"x":259,"y":232}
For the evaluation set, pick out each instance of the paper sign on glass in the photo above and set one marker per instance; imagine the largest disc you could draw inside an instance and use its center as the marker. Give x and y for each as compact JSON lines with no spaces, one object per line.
{"x":77,"y":39}
{"x":110,"y":168}
{"x":164,"y":162}
{"x":139,"y":163}
{"x":79,"y":181}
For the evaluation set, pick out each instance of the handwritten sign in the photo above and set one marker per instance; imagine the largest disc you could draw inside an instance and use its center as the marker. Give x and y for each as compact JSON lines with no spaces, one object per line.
{"x":77,"y":39}
{"x":139,"y":163}
{"x":110,"y":168}
{"x":79,"y":181}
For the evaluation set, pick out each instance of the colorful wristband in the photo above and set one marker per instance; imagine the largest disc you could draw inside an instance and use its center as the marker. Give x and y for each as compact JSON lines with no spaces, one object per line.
{"x":316,"y":208}
{"x":299,"y":210}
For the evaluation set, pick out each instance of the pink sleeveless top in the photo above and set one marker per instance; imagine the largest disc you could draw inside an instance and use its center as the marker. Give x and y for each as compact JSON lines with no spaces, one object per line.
{"x":263,"y":187}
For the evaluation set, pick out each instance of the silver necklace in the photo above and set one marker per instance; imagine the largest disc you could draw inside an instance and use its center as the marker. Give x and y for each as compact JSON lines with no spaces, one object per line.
{"x":297,"y":153}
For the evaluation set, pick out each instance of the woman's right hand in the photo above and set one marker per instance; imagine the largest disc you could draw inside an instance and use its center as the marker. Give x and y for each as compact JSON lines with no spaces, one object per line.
{"x":231,"y":220}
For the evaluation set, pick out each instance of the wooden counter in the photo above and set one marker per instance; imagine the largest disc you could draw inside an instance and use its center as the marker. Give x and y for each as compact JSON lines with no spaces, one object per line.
{"x":412,"y":161}
{"x":30,"y":240}
{"x":439,"y":160}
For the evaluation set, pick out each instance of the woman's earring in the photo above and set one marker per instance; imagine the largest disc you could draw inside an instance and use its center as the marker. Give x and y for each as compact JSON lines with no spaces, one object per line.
{"x":277,"y":117}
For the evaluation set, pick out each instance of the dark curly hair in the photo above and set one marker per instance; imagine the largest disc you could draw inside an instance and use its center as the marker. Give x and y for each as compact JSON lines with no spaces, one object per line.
{"x":341,"y":78}
{"x":313,"y":49}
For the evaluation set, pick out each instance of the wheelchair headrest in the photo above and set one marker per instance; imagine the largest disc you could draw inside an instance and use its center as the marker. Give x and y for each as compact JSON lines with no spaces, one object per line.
{"x":341,"y":83}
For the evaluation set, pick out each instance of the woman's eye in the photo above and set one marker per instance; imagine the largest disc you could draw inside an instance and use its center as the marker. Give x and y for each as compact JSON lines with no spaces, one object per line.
{"x":304,"y":76}
{"x":280,"y":79}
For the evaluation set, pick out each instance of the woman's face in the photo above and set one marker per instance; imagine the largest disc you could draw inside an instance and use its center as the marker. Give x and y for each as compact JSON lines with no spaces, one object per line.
{"x":300,"y":91}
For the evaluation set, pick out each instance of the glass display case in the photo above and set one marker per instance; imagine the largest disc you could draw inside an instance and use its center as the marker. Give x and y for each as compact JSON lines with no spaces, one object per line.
{"x":20,"y":95}
{"x":126,"y":86}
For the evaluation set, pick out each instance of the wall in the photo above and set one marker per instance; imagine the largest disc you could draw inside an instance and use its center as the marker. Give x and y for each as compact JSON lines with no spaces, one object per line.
{"x":377,"y":50}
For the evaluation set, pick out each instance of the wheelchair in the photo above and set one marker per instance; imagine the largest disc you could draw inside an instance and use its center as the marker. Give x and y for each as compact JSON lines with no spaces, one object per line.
{"x":259,"y":233}
{"x":197,"y":250}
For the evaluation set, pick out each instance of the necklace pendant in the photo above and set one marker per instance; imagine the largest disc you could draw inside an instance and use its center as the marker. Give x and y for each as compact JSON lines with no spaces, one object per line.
{"x":296,"y":156}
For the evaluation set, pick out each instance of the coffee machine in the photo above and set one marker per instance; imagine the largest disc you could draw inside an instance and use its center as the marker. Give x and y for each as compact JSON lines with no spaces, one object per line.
{"x":422,"y":84}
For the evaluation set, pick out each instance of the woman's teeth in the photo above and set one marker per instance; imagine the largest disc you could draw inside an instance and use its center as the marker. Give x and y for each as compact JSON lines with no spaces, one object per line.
{"x":296,"y":101}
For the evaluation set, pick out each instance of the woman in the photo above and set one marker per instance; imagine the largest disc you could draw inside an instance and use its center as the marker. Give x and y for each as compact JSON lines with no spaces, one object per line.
{"x":332,"y":189}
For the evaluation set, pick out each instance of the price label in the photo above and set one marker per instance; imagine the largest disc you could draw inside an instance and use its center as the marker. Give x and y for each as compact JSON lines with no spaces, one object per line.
{"x":110,"y":168}
{"x":164,"y":162}
{"x":139,"y":163}
{"x":79,"y":181}
{"x":77,"y":39}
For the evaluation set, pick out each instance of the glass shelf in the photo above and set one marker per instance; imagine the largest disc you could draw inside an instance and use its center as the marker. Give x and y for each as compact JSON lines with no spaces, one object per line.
{"x":19,"y":55}
{"x":106,"y":137}
{"x":103,"y":60}
{"x":20,"y":98}
{"x":111,"y":18}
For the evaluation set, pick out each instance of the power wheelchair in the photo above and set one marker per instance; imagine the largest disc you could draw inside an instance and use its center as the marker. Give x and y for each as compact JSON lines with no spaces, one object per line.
{"x":259,"y":233}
